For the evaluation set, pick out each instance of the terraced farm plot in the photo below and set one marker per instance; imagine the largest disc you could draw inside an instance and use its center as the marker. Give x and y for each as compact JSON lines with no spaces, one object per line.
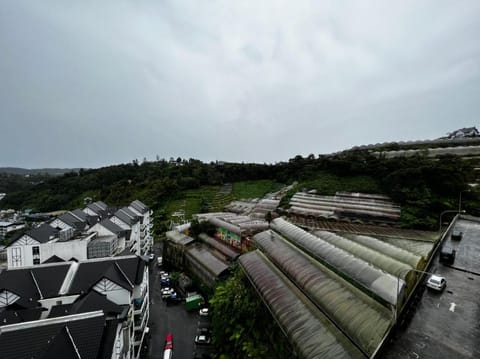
{"x":254,"y":189}
{"x":191,"y":200}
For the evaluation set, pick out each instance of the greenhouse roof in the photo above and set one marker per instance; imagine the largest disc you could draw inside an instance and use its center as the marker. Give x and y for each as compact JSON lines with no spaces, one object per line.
{"x":362,"y":318}
{"x":378,"y":259}
{"x":312,"y":334}
{"x":360,"y":272}
{"x":401,"y":254}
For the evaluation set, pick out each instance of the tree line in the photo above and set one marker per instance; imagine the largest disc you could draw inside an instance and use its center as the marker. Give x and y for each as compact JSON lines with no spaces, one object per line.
{"x":421,"y":185}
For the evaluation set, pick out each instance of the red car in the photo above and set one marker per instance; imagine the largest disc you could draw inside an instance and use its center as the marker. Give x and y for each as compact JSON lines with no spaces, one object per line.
{"x":168,"y":352}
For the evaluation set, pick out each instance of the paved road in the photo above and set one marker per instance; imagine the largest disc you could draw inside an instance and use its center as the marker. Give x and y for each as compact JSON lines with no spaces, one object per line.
{"x":166,"y":319}
{"x":446,"y":325}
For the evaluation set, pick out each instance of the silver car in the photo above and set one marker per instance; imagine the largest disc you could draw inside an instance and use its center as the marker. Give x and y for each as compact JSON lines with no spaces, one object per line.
{"x":436,"y":282}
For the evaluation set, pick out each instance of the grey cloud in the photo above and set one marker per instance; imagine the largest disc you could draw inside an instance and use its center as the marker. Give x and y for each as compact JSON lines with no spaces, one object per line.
{"x":86,"y":84}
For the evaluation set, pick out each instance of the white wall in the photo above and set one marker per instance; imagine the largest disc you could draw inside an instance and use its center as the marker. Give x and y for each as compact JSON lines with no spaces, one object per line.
{"x":119,"y":222}
{"x":101,"y":230}
{"x":59,"y":224}
{"x":50,"y":302}
{"x":65,"y":250}
{"x":119,"y":296}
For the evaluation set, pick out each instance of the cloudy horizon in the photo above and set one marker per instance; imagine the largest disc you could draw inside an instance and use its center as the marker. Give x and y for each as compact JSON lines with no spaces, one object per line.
{"x":89,"y":84}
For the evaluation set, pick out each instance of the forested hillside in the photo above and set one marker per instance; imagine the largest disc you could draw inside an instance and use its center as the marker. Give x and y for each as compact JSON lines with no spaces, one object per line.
{"x":424,"y":187}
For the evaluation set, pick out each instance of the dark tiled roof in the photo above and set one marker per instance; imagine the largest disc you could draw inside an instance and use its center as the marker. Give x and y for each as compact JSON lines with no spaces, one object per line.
{"x":91,"y":220}
{"x":23,"y":282}
{"x":93,"y":301}
{"x":112,"y":227}
{"x":102,"y":213}
{"x":50,"y":278}
{"x":81,"y":215}
{"x":139,"y":206}
{"x":14,"y":315}
{"x":108,"y":340}
{"x":35,"y":341}
{"x":90,"y":302}
{"x":101,"y":205}
{"x":53,"y":259}
{"x":62,"y":346}
{"x":60,"y":310}
{"x":129,"y":212}
{"x":89,"y":273}
{"x":43,"y":233}
{"x":125,"y":218}
{"x":72,"y":221}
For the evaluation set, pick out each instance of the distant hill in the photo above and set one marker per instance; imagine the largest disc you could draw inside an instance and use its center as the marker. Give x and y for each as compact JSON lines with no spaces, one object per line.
{"x":37,"y":171}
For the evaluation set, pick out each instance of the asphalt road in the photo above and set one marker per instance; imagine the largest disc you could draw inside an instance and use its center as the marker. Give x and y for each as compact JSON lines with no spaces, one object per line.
{"x":166,"y":319}
{"x":446,"y":324}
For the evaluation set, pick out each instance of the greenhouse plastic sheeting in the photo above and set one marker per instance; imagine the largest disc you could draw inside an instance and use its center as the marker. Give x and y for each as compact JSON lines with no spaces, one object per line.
{"x":422,"y":248}
{"x":378,"y":259}
{"x":313,"y":336}
{"x":403,"y":255}
{"x":371,"y":278}
{"x":362,"y":318}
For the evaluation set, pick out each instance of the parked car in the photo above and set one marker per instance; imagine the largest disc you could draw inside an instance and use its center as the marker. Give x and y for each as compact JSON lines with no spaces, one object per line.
{"x":457,"y":235}
{"x":203,"y":312}
{"x":203,"y":339}
{"x":436,"y":282}
{"x":165,"y":282}
{"x":159,"y":261}
{"x":167,"y":292}
{"x":174,"y":298}
{"x":447,"y":255}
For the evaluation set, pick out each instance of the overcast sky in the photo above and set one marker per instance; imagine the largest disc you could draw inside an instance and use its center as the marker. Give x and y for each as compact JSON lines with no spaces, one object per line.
{"x":94,"y":83}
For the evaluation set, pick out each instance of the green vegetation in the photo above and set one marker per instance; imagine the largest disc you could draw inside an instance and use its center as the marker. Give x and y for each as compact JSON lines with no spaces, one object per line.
{"x":424,"y":187}
{"x":242,"y":325}
{"x":254,"y":189}
{"x":190,"y":201}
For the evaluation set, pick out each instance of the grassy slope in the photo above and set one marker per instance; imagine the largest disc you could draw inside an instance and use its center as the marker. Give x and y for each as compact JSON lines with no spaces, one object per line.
{"x":189,"y":201}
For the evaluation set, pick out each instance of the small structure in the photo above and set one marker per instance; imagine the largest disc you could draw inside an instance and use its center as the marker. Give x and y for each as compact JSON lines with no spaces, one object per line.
{"x":463,"y":133}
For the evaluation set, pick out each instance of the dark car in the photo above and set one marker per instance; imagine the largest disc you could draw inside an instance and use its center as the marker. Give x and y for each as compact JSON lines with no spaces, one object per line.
{"x":457,"y":235}
{"x":447,"y":255}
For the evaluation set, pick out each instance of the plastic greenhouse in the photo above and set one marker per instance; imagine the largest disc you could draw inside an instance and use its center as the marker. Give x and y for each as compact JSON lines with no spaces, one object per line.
{"x":362,"y":318}
{"x":358,"y":271}
{"x":311,"y":333}
{"x":378,"y":259}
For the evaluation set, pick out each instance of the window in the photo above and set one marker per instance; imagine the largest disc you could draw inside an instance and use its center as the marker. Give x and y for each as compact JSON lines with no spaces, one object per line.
{"x":36,"y":251}
{"x":36,"y":260}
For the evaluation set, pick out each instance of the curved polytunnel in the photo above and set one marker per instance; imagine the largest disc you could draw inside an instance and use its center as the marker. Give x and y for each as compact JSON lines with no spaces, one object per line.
{"x":313,"y":336}
{"x":421,"y":248}
{"x":403,"y":255}
{"x":361,"y":317}
{"x":360,"y":272}
{"x":378,"y":259}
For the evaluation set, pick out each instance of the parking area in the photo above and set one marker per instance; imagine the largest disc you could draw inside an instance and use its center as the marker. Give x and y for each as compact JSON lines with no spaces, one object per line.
{"x":170,"y":318}
{"x":446,"y":324}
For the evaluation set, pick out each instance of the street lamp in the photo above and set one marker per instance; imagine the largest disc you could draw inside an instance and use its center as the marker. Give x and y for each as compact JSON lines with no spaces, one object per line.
{"x":444,"y":212}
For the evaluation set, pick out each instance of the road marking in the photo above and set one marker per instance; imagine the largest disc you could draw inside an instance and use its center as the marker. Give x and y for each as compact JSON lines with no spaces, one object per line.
{"x":416,"y":355}
{"x":452,"y":307}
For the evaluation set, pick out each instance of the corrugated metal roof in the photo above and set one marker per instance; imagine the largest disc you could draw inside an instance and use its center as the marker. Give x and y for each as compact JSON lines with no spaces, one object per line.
{"x":203,"y":256}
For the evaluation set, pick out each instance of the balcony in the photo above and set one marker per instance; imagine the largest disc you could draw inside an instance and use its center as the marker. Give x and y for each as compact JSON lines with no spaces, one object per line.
{"x":140,"y":323}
